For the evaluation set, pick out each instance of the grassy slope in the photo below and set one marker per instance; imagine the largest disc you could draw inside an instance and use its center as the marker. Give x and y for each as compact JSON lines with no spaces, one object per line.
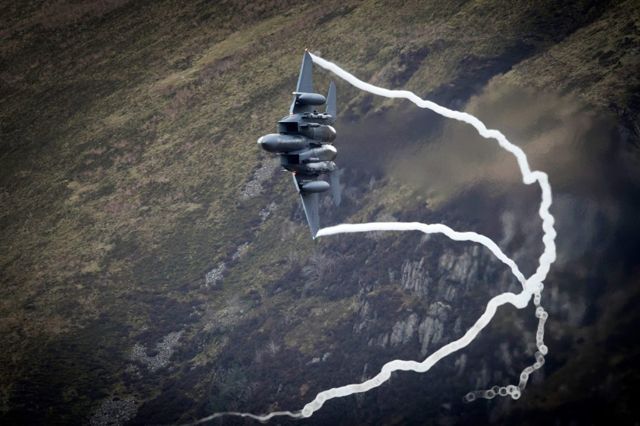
{"x":127,"y":135}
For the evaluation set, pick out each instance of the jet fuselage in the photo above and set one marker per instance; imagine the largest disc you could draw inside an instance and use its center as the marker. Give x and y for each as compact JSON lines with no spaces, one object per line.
{"x":304,"y":143}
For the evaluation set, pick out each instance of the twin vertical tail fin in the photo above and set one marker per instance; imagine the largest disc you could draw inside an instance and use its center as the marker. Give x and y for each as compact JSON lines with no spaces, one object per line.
{"x":336,"y":189}
{"x":331,"y":101}
{"x":335,"y":175}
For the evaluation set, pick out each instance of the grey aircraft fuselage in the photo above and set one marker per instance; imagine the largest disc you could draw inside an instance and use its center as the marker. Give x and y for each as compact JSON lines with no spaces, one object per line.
{"x":304,"y":143}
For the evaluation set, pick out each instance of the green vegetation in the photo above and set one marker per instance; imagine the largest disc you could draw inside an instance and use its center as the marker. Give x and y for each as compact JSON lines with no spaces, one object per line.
{"x":127,"y":133}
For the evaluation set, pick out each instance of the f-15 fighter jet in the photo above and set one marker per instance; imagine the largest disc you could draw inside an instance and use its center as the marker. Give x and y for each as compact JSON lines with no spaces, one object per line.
{"x":303,"y":143}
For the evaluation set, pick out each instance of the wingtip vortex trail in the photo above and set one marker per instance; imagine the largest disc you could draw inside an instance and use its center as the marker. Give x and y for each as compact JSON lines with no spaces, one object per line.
{"x":532,"y":286}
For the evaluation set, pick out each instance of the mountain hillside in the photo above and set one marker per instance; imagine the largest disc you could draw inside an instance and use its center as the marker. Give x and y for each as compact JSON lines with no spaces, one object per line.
{"x":155,"y":265}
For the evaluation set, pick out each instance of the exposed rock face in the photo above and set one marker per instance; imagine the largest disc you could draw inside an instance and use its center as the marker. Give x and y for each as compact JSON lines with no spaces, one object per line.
{"x":164,"y":349}
{"x":463,"y":267}
{"x":114,"y":412}
{"x":438,"y":280}
{"x":215,"y":275}
{"x":413,"y":277}
{"x":430,"y":331}
{"x":403,"y":331}
{"x":253,"y":187}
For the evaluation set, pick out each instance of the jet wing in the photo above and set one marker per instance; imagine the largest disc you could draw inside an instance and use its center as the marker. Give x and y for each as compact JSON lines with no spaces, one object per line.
{"x":310,"y":204}
{"x":305,"y":79}
{"x":336,"y":189}
{"x":331,"y":102}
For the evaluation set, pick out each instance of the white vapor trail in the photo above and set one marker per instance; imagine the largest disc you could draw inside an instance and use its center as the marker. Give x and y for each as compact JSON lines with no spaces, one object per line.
{"x":427,"y":229}
{"x":531,"y":286}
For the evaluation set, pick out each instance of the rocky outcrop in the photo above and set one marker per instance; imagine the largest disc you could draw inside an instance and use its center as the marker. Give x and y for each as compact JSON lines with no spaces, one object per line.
{"x":253,"y":187}
{"x":114,"y":412}
{"x":403,"y":331}
{"x":429,"y":331}
{"x":215,"y":275}
{"x":414,"y":278}
{"x":164,"y":350}
{"x":439,"y":282}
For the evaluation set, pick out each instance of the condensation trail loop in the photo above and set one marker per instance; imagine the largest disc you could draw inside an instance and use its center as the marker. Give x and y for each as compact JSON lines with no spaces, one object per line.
{"x":531,"y":286}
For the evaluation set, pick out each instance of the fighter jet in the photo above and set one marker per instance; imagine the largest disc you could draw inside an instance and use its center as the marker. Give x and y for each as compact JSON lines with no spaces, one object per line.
{"x":303,"y":143}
